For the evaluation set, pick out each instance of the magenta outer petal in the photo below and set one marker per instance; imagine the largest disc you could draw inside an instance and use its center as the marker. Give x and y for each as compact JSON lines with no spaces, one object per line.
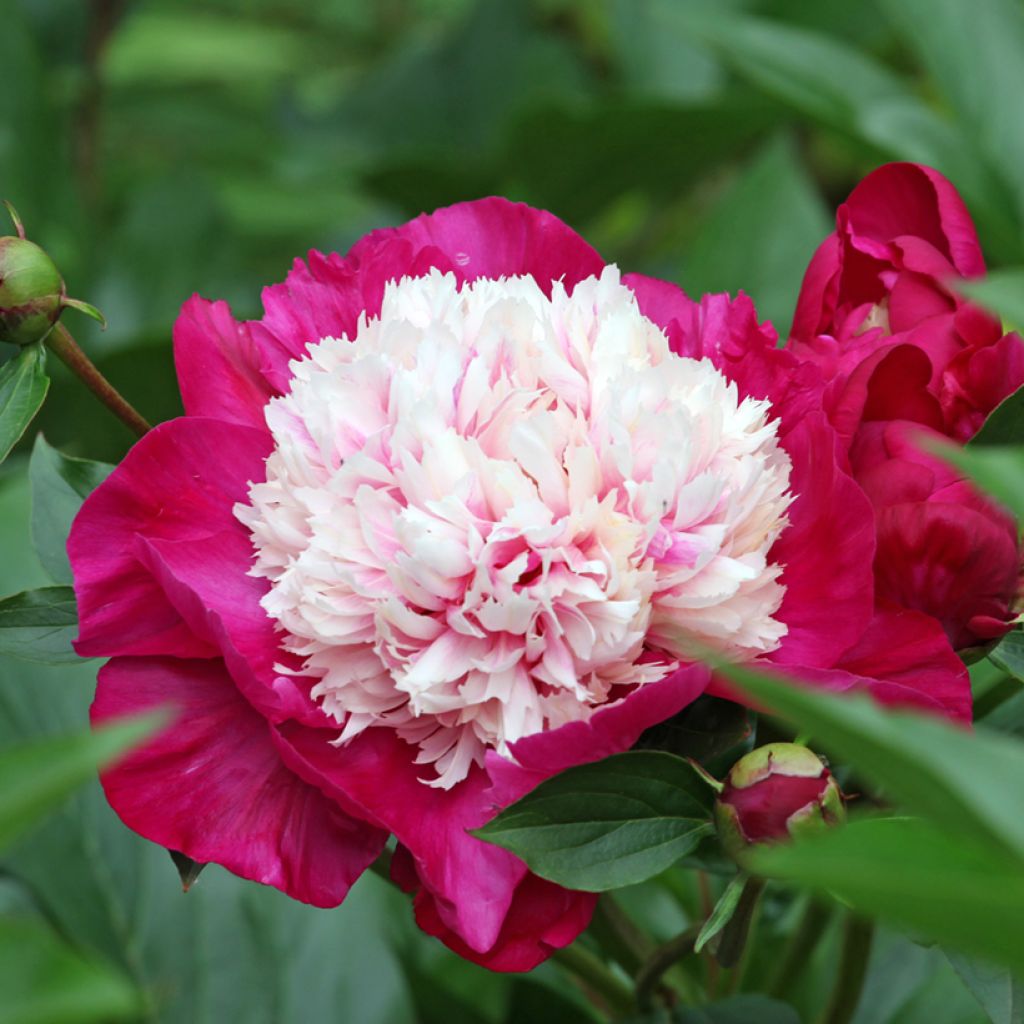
{"x":218,"y":365}
{"x":827,"y":551}
{"x":374,"y":776}
{"x":496,"y":238}
{"x":543,"y":917}
{"x":213,"y":786}
{"x":178,"y":483}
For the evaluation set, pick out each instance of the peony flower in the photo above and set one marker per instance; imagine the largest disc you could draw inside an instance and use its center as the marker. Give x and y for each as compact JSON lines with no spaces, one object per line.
{"x":443,"y":523}
{"x":907,"y":357}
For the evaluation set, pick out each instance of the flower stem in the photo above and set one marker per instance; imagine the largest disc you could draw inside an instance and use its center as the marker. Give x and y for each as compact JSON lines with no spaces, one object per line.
{"x":60,"y":342}
{"x":618,"y":936}
{"x":597,"y":976}
{"x":661,"y":960}
{"x":853,"y":968}
{"x":812,"y":923}
{"x":734,"y":934}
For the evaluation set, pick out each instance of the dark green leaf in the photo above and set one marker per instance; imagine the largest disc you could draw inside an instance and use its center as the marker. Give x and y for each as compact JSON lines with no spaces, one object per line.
{"x":1004,"y":425}
{"x":709,"y":728}
{"x":999,"y":993}
{"x":45,"y":981}
{"x":1001,"y":292}
{"x":39,"y":774}
{"x":531,"y":1002}
{"x":721,"y":913}
{"x":23,"y":386}
{"x":60,"y":483}
{"x":914,"y":875}
{"x":189,"y":870}
{"x":959,"y":780}
{"x":39,"y":625}
{"x":612,"y":823}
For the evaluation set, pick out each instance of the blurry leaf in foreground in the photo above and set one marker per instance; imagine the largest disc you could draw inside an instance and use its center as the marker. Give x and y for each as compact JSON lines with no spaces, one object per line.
{"x":23,"y":386}
{"x":965,"y":782}
{"x":1001,"y":292}
{"x":39,"y":774}
{"x":611,"y":823}
{"x":45,"y":981}
{"x":1008,"y":654}
{"x":914,"y":875}
{"x":997,"y":469}
{"x":39,"y":625}
{"x":60,"y":483}
{"x":999,"y":993}
{"x":1004,"y":424}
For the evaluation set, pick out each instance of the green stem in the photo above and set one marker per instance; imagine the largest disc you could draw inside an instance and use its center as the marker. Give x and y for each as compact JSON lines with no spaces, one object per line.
{"x":598,"y":977}
{"x":618,"y":936}
{"x":734,"y":934}
{"x":853,"y":969}
{"x":381,"y":867}
{"x":812,"y":923}
{"x":60,"y":342}
{"x":661,"y":960}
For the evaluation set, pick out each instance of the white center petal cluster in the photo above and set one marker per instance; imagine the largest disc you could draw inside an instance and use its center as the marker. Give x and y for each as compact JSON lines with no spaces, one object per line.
{"x":492,"y":512}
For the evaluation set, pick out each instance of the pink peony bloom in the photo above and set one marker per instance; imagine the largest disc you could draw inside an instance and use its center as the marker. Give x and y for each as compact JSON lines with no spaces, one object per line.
{"x":906,"y":356}
{"x":441,"y":525}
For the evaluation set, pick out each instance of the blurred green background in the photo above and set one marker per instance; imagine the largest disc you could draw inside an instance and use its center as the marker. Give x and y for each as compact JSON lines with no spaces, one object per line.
{"x":163,"y":147}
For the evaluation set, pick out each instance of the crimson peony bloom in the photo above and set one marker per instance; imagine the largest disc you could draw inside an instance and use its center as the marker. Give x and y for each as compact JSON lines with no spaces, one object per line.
{"x":906,"y":357}
{"x":442,"y":524}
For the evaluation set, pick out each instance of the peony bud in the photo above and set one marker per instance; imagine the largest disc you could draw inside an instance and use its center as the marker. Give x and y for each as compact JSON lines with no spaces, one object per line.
{"x":31,"y":292}
{"x":774,"y":792}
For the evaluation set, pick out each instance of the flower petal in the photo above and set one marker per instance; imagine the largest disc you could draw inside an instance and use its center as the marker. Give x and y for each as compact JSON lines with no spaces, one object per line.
{"x":212,"y":785}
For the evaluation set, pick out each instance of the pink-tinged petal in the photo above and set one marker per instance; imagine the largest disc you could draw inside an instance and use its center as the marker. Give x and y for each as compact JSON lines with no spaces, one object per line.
{"x":496,"y":238}
{"x":213,"y":786}
{"x":611,"y":730}
{"x":373,"y":775}
{"x":178,"y":483}
{"x":208,"y":583}
{"x":953,"y":562}
{"x":218,"y":365}
{"x":827,"y":551}
{"x":904,"y":199}
{"x":543,"y":917}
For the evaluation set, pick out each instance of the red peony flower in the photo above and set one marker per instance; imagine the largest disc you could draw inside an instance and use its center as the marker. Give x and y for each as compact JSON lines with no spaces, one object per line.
{"x":905,"y":356}
{"x":443,"y":524}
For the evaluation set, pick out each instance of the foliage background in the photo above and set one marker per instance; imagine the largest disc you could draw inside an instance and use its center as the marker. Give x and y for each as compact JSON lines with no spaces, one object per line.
{"x":161,"y":147}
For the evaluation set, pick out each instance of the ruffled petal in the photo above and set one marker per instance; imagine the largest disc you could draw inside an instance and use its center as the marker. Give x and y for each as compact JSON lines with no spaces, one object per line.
{"x":219,"y":366}
{"x":178,"y":483}
{"x":212,"y":785}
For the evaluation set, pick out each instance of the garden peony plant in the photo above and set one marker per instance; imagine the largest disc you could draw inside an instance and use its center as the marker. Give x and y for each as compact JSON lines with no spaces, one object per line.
{"x":460,"y":510}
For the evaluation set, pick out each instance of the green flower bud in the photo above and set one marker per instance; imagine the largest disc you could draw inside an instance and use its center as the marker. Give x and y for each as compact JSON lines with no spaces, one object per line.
{"x":774,"y":792}
{"x":31,"y":292}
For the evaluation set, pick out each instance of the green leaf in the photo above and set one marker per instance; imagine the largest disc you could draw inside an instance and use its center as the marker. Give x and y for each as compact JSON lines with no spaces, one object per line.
{"x":1008,"y":654}
{"x":998,"y":469}
{"x":23,"y":386}
{"x":905,"y":871}
{"x":1000,"y":994}
{"x":611,"y":823}
{"x":39,"y":625}
{"x":1001,"y":292}
{"x":45,"y":981}
{"x":744,"y":1009}
{"x":39,"y":774}
{"x":787,"y":231}
{"x":959,"y":780}
{"x":60,"y":483}
{"x":975,"y":59}
{"x":708,"y":729}
{"x":722,"y":912}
